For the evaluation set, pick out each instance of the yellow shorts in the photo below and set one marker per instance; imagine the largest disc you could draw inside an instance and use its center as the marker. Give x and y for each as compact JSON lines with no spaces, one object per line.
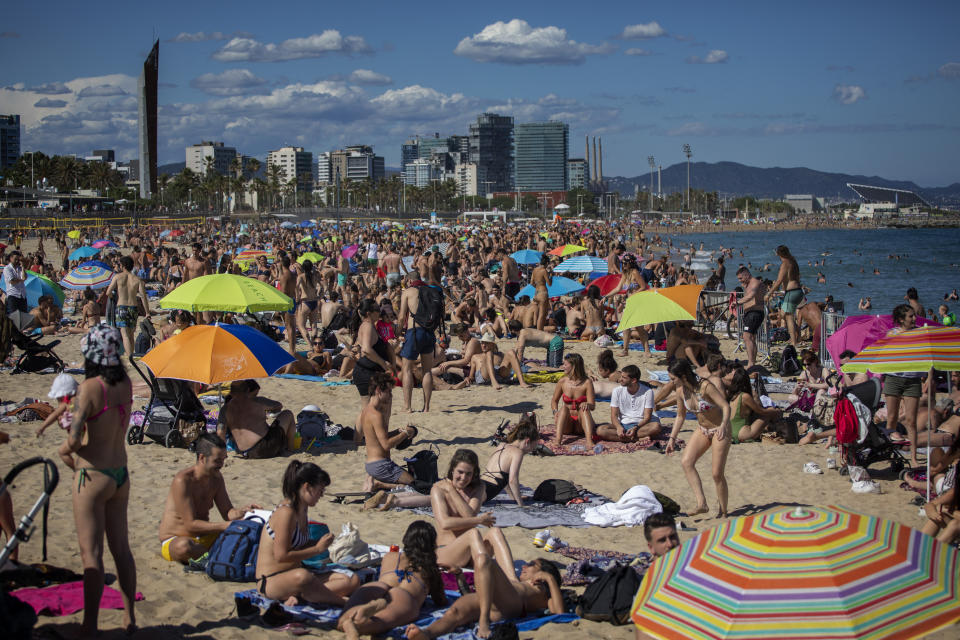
{"x":206,"y":541}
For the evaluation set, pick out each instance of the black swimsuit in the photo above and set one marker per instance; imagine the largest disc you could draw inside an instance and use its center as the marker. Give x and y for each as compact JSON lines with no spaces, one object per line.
{"x":500,"y":480}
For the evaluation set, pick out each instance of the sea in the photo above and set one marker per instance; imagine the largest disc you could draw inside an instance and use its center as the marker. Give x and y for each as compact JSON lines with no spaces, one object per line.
{"x":928,"y":259}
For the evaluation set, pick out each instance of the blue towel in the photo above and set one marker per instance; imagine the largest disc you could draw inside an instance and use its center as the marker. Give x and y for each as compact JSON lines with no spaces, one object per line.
{"x":327,"y":616}
{"x":326,"y":383}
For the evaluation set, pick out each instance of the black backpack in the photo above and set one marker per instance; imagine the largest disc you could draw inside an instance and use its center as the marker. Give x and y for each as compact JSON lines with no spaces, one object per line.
{"x":430,"y":307}
{"x":789,"y":362}
{"x":423,"y":467}
{"x":556,"y":491}
{"x":609,"y":597}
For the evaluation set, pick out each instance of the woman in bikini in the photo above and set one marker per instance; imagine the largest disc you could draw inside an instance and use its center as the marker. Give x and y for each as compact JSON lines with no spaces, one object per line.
{"x":285,"y":543}
{"x":811,"y":383}
{"x":307,"y":303}
{"x":95,"y":450}
{"x":713,"y":418}
{"x":406,"y":579}
{"x":748,"y":418}
{"x":607,"y":377}
{"x":576,"y":391}
{"x":541,"y":279}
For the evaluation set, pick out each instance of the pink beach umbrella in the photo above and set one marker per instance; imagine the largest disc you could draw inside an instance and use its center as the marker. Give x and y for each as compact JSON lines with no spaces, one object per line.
{"x":858,"y":332}
{"x":349,"y":252}
{"x":100,"y":244}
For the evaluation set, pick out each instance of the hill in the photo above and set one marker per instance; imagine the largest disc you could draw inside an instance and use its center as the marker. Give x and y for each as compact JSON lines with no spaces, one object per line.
{"x":734,"y":179}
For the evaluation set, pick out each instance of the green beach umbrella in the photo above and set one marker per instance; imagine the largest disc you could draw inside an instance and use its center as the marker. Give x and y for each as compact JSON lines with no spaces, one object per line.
{"x":226,"y":292}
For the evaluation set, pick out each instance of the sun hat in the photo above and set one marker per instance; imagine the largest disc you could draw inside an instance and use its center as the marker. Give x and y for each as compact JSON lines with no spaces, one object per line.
{"x":488,"y":337}
{"x":102,"y":345}
{"x":63,"y":385}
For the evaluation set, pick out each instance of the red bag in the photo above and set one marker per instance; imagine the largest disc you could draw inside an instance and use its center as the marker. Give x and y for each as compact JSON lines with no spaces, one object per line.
{"x":846,"y":421}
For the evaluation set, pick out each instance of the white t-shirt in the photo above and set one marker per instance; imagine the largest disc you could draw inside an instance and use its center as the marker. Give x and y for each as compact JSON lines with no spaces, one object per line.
{"x":632,"y":406}
{"x":18,"y":289}
{"x":372,"y":249}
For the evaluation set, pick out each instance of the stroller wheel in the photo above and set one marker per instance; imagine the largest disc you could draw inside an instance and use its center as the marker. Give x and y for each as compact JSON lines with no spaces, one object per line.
{"x":135,"y":435}
{"x":897,"y":465}
{"x":173,"y":439}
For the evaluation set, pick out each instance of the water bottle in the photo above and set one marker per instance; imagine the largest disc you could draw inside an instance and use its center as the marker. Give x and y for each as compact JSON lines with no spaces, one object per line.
{"x":578,"y":447}
{"x":598,"y":448}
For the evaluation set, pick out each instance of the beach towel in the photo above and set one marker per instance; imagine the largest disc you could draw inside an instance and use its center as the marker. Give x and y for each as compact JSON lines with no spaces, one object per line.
{"x":635,"y":346}
{"x":633,"y":508}
{"x":326,"y":383}
{"x":542,"y":376}
{"x":592,"y":563}
{"x":573,"y":445}
{"x":67,"y":598}
{"x":533,"y":515}
{"x":326,"y":617}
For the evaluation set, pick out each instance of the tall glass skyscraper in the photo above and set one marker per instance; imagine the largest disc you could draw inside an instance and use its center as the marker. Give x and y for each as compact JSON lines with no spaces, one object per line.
{"x":147,"y":121}
{"x":491,"y":149}
{"x":540,"y":152}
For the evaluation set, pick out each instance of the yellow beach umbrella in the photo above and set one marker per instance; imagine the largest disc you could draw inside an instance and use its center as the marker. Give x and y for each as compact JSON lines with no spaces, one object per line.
{"x":313,"y":257}
{"x":73,"y":235}
{"x":661,"y":305}
{"x":226,"y":292}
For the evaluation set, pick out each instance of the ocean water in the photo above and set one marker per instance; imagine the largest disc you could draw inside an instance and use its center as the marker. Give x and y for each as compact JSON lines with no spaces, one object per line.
{"x":929,"y":259}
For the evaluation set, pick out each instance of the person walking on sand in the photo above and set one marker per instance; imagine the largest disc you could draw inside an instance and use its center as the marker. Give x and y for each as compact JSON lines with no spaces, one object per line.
{"x":541,"y":279}
{"x":130,"y":290}
{"x":95,"y":450}
{"x":789,"y":278}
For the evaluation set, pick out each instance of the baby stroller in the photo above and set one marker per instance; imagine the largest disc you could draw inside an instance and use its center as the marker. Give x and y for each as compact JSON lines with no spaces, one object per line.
{"x":18,"y":618}
{"x":873,"y":444}
{"x":172,"y":405}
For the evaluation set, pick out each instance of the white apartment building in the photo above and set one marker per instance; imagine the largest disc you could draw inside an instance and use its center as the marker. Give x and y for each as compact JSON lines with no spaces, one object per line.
{"x":293,"y":161}
{"x":222,"y":157}
{"x":466,"y":178}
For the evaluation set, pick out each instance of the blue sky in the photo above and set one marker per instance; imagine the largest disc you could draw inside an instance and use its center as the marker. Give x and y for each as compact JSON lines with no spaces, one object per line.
{"x":854,"y":87}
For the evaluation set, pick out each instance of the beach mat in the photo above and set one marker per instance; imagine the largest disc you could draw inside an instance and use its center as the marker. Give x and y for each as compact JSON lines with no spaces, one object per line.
{"x":67,"y":598}
{"x":324,"y":381}
{"x":548,"y":432}
{"x":533,"y":515}
{"x":326,"y":617}
{"x":534,"y":377}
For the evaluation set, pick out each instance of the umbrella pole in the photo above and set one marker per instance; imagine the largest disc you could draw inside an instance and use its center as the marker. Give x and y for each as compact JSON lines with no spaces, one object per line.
{"x":930,"y":383}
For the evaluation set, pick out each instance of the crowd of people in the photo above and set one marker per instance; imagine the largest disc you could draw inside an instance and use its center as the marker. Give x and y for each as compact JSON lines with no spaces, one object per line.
{"x":381,"y":320}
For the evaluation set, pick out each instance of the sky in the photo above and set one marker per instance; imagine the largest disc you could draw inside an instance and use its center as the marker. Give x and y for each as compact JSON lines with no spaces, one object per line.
{"x":854,"y":87}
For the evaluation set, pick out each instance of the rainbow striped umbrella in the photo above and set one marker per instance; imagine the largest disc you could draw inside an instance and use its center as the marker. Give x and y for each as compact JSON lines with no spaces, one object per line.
{"x":93,"y":274}
{"x":919,"y":349}
{"x":802,"y":573}
{"x":566,"y":250}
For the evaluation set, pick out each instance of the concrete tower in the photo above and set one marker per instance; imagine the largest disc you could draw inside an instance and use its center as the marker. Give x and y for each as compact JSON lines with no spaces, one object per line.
{"x":147,"y":122}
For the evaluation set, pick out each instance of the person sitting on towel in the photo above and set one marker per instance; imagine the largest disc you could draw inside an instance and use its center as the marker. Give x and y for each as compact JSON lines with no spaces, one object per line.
{"x":245,"y":419}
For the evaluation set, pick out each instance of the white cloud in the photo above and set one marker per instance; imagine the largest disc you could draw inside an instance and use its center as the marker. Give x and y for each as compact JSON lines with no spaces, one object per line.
{"x":516,"y":42}
{"x":201,"y":36}
{"x":232,"y":82}
{"x":848,"y":93}
{"x":636,"y":51}
{"x":314,"y":46}
{"x":949,"y":70}
{"x":370,"y":78}
{"x":716,"y":56}
{"x":643,"y":31}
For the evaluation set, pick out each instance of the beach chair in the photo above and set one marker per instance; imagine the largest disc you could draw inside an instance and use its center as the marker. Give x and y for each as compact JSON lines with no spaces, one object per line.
{"x":172,"y":405}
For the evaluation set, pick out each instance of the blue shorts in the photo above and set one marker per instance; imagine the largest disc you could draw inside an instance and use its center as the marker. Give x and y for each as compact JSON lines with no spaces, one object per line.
{"x":417,"y":341}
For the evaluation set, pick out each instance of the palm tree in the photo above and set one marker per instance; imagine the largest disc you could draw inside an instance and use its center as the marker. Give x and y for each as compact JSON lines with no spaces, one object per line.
{"x":274,"y":173}
{"x":66,"y":173}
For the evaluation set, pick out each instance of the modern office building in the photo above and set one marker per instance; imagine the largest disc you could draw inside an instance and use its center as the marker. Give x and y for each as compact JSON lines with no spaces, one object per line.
{"x":223,"y":157}
{"x":293,"y":162}
{"x":147,"y":122}
{"x":324,"y":169}
{"x":409,"y":151}
{"x":420,"y":173}
{"x":578,"y":173}
{"x":102,"y":155}
{"x":359,"y":162}
{"x":9,"y":140}
{"x":466,"y":178}
{"x":540,"y":156}
{"x":491,"y":149}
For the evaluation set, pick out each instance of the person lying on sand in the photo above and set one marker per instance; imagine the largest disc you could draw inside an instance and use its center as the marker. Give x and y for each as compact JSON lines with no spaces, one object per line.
{"x":186,"y":532}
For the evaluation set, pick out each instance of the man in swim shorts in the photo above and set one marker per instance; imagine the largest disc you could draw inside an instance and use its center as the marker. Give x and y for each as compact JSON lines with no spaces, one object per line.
{"x":789,"y":278}
{"x":129,"y":288}
{"x":543,"y":339}
{"x":752,"y":303}
{"x":186,"y":532}
{"x":382,"y":472}
{"x":245,"y":420}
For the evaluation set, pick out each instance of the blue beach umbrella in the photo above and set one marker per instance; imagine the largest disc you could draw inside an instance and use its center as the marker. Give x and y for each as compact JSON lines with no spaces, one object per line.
{"x":165,"y":233}
{"x":581,"y":264}
{"x":526,"y":256}
{"x":36,"y":286}
{"x":83,"y":252}
{"x":561,"y":287}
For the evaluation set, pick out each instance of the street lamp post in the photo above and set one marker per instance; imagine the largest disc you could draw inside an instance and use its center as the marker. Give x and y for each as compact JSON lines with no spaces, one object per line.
{"x":338,"y":199}
{"x":687,"y":151}
{"x":653,"y":165}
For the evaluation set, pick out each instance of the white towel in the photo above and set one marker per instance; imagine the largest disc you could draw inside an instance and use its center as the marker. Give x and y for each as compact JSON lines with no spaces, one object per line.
{"x":633,"y":508}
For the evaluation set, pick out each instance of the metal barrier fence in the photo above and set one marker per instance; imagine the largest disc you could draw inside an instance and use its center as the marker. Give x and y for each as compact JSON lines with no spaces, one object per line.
{"x":829,"y":323}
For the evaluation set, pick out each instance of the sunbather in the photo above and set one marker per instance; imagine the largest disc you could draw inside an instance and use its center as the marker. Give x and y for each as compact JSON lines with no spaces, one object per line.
{"x":406,"y":579}
{"x":493,"y":367}
{"x":575,"y":389}
{"x":748,"y":418}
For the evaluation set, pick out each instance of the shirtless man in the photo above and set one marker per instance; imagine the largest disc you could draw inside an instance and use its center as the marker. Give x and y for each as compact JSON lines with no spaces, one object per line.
{"x":195,"y":266}
{"x":186,"y":532}
{"x":343,"y":273}
{"x":536,"y":338}
{"x":245,"y":418}
{"x":684,"y":342}
{"x":592,"y":315}
{"x":287,"y":283}
{"x":752,"y":301}
{"x":129,"y":288}
{"x":789,"y":278}
{"x":500,"y":595}
{"x":392,"y":265}
{"x":613,"y":260}
{"x":511,"y":274}
{"x":374,"y":421}
{"x":48,"y":315}
{"x":471,"y":347}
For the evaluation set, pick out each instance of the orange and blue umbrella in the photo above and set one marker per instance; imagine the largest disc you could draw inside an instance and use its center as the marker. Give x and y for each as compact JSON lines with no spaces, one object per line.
{"x":801,"y":573}
{"x":214,"y":354}
{"x":93,"y":274}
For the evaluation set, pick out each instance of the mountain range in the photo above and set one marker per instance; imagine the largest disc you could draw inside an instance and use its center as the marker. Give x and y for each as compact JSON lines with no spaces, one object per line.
{"x":733,"y":179}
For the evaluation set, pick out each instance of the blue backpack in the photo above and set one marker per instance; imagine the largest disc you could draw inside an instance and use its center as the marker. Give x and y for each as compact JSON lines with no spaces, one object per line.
{"x":233,"y":556}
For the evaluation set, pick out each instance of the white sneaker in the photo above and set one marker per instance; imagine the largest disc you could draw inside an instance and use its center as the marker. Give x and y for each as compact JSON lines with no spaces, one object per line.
{"x":812,"y":467}
{"x":541,"y":538}
{"x":553,"y":544}
{"x":865,"y":486}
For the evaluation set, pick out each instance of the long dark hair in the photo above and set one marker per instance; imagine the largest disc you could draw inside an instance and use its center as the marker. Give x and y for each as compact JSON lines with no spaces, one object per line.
{"x":468,"y":456}
{"x":112,"y":375}
{"x":740,"y":383}
{"x":683,"y":370}
{"x":420,"y":549}
{"x":298,"y":474}
{"x":606,"y":361}
{"x":526,"y":428}
{"x":900,"y":313}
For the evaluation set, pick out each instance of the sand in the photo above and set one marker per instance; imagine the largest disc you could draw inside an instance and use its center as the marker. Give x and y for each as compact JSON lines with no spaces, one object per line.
{"x":761,"y":476}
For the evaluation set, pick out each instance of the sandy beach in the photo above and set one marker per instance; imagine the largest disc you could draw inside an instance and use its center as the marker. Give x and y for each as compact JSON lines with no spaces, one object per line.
{"x":760,"y":475}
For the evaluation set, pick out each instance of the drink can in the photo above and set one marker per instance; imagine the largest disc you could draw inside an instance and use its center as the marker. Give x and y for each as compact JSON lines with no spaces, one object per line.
{"x":394,"y":548}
